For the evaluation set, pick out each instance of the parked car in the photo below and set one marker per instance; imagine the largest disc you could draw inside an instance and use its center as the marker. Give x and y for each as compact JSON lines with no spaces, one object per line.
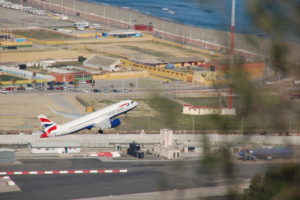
{"x":59,"y":88}
{"x":126,"y":90}
{"x":96,"y":90}
{"x":20,"y":88}
{"x":39,"y":88}
{"x":4,"y":92}
{"x":29,"y":88}
{"x":50,"y":88}
{"x":9,"y":89}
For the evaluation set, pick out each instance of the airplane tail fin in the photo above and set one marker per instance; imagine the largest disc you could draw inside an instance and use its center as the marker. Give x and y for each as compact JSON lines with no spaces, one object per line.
{"x":45,"y":122}
{"x":47,"y":125}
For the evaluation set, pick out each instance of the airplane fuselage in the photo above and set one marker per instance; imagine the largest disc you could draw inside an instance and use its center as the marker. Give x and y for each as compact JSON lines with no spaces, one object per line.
{"x":102,"y":118}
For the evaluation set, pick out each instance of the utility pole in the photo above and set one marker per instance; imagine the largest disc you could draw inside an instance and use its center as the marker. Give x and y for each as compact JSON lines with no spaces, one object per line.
{"x":232,"y":28}
{"x":193,"y":125}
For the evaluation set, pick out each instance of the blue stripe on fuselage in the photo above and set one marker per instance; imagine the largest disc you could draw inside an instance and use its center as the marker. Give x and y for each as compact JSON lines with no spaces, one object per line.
{"x":121,"y":113}
{"x":88,"y":127}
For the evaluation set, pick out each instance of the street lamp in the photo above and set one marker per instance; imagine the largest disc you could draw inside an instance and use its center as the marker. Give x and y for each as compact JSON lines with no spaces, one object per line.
{"x":193,"y":125}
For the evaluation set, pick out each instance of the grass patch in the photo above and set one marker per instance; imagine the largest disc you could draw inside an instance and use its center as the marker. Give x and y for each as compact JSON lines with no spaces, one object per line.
{"x":170,"y":116}
{"x":105,"y":101}
{"x":173,"y":46}
{"x":42,"y":35}
{"x":147,"y":51}
{"x":9,"y":78}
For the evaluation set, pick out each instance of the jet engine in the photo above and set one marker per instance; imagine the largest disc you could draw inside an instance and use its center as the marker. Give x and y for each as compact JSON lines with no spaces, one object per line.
{"x":114,"y":123}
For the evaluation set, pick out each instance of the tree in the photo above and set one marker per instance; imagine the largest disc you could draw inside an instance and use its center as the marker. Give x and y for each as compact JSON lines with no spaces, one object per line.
{"x":33,"y":82}
{"x":81,"y":59}
{"x":93,"y":85}
{"x":1,"y":84}
{"x":76,"y":84}
{"x":131,"y":85}
{"x":281,"y":183}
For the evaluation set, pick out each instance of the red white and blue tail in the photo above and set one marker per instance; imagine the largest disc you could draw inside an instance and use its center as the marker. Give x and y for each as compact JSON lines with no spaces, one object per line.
{"x":48,"y":126}
{"x":45,"y":122}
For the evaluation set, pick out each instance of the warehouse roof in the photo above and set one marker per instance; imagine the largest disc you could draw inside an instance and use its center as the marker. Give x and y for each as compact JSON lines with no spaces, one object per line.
{"x":3,"y":150}
{"x":97,"y":62}
{"x":53,"y":144}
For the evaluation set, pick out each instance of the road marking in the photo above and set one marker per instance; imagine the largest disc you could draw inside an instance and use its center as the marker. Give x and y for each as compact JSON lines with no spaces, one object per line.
{"x":93,"y":171}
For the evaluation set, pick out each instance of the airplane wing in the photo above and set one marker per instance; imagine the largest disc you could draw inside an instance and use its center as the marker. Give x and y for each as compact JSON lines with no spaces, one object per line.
{"x":104,"y":124}
{"x":68,"y":115}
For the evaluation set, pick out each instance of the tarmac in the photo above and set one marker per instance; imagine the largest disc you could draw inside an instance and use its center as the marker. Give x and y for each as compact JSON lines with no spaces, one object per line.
{"x":7,"y":185}
{"x":143,"y":178}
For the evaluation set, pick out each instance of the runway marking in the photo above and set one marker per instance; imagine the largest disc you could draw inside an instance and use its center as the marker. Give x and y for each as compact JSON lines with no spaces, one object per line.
{"x":94,"y":171}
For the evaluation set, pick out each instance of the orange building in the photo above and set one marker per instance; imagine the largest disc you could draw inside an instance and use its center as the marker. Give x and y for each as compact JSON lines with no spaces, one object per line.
{"x":71,"y":77}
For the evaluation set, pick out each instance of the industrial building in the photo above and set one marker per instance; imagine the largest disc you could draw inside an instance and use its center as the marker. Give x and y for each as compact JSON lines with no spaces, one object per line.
{"x":102,"y":63}
{"x":123,"y":34}
{"x":7,"y":156}
{"x":54,"y":147}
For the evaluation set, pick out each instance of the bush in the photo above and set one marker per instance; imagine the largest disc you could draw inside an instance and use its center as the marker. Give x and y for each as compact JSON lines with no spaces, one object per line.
{"x":81,"y":59}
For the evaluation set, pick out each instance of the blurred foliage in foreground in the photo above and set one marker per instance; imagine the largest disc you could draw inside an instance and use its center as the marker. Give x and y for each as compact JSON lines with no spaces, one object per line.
{"x":281,"y":184}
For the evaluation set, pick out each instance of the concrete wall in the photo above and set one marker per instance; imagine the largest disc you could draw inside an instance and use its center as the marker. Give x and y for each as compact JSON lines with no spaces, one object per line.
{"x":7,"y":156}
{"x":109,"y":140}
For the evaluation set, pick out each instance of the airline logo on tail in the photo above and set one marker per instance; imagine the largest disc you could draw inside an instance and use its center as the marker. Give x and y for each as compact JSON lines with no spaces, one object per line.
{"x":48,"y":125}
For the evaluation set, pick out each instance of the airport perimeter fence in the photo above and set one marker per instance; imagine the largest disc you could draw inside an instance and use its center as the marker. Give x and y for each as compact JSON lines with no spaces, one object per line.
{"x":177,"y":132}
{"x":87,"y":106}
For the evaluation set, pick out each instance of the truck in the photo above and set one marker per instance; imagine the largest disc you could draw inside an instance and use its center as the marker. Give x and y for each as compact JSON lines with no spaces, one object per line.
{"x":135,"y":150}
{"x":265,"y":153}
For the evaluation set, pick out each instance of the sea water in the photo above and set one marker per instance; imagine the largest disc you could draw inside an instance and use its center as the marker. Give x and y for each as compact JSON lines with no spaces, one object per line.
{"x":210,"y":14}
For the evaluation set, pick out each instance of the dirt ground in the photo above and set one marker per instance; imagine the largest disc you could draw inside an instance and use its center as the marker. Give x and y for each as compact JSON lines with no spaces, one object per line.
{"x":147,"y":52}
{"x":20,"y":111}
{"x":30,"y":56}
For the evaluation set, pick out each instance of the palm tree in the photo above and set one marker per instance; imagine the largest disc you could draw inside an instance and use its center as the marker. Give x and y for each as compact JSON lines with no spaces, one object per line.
{"x":13,"y":81}
{"x":33,"y":82}
{"x":131,"y":85}
{"x":93,"y":85}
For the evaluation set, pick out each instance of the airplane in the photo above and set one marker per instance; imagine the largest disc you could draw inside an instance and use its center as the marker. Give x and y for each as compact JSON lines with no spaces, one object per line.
{"x":103,"y":118}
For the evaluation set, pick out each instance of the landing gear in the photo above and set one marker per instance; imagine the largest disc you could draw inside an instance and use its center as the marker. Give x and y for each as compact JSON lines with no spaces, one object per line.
{"x":100,"y":131}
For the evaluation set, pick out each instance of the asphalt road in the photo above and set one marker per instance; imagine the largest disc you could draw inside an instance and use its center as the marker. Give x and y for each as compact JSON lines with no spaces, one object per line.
{"x":142,"y":176}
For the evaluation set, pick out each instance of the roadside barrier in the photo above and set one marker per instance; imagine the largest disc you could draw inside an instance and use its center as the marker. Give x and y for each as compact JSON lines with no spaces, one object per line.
{"x":94,"y":171}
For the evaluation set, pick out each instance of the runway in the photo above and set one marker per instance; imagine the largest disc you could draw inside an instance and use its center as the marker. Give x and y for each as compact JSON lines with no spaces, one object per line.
{"x":142,"y":176}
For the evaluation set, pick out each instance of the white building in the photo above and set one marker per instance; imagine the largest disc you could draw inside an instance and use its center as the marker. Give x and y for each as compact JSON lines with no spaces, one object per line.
{"x":204,"y":110}
{"x":54,"y":147}
{"x":165,"y":149}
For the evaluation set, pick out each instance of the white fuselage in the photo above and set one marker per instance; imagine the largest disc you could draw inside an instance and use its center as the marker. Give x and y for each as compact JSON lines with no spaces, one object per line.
{"x":96,"y":118}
